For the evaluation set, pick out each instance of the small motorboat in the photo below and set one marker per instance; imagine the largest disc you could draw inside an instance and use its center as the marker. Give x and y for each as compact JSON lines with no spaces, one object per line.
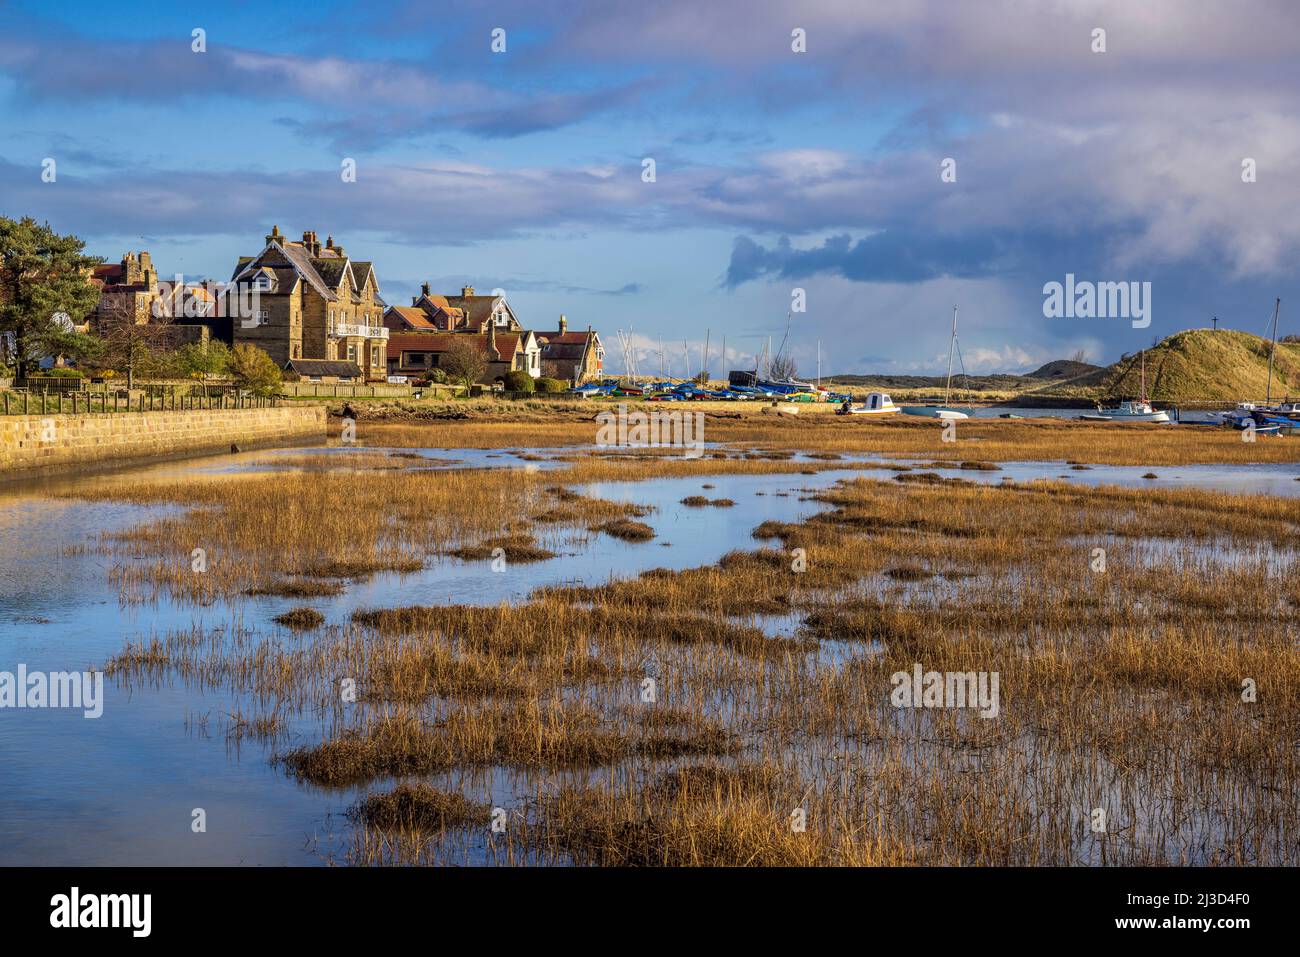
{"x":1130,"y":410}
{"x":878,"y":403}
{"x":1135,"y":410}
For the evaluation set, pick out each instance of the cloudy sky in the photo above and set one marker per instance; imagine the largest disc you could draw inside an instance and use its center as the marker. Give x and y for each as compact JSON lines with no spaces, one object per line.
{"x":773,"y":169}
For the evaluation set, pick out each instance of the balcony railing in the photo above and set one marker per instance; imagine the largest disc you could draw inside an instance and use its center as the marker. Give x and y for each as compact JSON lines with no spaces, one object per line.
{"x":344,"y":329}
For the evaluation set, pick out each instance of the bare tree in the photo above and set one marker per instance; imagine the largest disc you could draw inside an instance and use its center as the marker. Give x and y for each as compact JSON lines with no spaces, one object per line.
{"x":129,"y":345}
{"x":783,"y":367}
{"x":465,"y":362}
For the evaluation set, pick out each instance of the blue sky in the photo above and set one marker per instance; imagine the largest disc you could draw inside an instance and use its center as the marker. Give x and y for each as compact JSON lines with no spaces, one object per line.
{"x":774,"y":169}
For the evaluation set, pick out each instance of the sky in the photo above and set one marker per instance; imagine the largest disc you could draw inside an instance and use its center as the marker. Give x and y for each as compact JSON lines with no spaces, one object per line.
{"x":876,"y":163}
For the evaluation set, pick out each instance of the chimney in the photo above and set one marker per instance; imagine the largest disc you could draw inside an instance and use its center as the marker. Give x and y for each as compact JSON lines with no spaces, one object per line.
{"x":424,"y":289}
{"x":493,"y":355}
{"x":564,"y":324}
{"x":274,"y":236}
{"x":467,"y":290}
{"x":329,"y":241}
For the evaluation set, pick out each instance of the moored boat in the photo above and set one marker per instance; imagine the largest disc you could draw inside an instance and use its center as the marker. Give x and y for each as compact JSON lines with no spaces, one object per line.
{"x":942,"y":411}
{"x":1130,"y":410}
{"x":1135,"y":410}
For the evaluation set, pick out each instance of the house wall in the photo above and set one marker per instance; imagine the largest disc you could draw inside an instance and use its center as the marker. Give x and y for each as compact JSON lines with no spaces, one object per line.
{"x":35,"y":445}
{"x":315,"y":316}
{"x":280,"y":333}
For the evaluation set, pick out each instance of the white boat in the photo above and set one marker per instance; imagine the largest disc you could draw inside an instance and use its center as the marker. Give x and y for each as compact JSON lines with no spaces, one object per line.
{"x":942,"y":411}
{"x":878,"y":403}
{"x":1131,"y":410}
{"x":1136,"y":410}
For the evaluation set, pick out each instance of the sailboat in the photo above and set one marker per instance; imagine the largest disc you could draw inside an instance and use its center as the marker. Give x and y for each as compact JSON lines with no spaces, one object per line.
{"x":1283,"y":418}
{"x":942,"y":411}
{"x":1131,"y":410}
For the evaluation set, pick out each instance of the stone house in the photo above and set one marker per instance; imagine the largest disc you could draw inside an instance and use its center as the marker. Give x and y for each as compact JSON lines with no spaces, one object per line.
{"x":468,"y":312}
{"x":313,"y":302}
{"x":573,"y":356}
{"x":127,"y":288}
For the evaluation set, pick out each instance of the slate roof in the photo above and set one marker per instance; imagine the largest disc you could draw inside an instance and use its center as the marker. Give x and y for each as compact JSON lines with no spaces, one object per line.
{"x":323,"y":367}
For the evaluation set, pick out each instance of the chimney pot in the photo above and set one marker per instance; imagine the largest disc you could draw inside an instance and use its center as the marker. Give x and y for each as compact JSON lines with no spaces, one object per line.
{"x":467,"y":290}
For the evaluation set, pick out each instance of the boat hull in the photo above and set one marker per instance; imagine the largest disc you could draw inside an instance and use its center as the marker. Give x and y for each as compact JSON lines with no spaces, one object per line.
{"x":934,"y":412}
{"x":1143,"y":417}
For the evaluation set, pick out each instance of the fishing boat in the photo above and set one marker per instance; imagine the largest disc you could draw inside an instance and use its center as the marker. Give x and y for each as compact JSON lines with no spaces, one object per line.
{"x":878,"y":403}
{"x":1130,"y":410}
{"x":942,"y":411}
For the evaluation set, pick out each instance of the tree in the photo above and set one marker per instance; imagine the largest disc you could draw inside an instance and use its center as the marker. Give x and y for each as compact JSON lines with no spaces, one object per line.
{"x":128,"y":345}
{"x":517,"y":380}
{"x":203,"y":361}
{"x":465,"y":363}
{"x":783,"y":367}
{"x":253,"y":369}
{"x":1080,"y":356}
{"x":41,"y":274}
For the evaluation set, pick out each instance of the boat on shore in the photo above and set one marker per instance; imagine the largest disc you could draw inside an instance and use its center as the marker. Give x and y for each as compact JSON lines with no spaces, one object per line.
{"x":944,"y":411}
{"x":877,"y":403}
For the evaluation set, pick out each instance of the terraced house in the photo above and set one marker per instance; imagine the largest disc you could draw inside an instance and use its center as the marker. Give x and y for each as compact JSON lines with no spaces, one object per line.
{"x":319,"y":312}
{"x":416,"y":354}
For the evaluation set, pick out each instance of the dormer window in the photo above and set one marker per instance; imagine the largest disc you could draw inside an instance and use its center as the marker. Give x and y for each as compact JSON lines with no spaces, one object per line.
{"x":262,"y":282}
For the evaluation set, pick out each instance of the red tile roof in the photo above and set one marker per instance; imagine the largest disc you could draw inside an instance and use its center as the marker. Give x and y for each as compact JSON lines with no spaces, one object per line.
{"x":413,"y":317}
{"x":443,"y":341}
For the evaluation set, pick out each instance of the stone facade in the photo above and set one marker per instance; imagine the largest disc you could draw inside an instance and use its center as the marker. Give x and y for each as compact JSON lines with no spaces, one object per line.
{"x":127,"y":289}
{"x":32,"y":445}
{"x":573,"y":356}
{"x":313,"y":302}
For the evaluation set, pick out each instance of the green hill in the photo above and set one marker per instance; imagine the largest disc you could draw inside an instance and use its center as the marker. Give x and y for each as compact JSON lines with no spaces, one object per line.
{"x":1207,"y":365}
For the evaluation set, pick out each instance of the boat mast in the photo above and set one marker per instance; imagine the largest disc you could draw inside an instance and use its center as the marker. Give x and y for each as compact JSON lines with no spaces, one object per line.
{"x":947,"y":389}
{"x":1277,"y":306}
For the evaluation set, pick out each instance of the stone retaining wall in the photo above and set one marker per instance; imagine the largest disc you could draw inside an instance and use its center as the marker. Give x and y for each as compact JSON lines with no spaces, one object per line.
{"x":32,"y":445}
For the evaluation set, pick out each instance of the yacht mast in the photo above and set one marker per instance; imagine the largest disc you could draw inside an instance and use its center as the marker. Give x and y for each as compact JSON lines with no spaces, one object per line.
{"x":1277,"y":306}
{"x":947,"y":389}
